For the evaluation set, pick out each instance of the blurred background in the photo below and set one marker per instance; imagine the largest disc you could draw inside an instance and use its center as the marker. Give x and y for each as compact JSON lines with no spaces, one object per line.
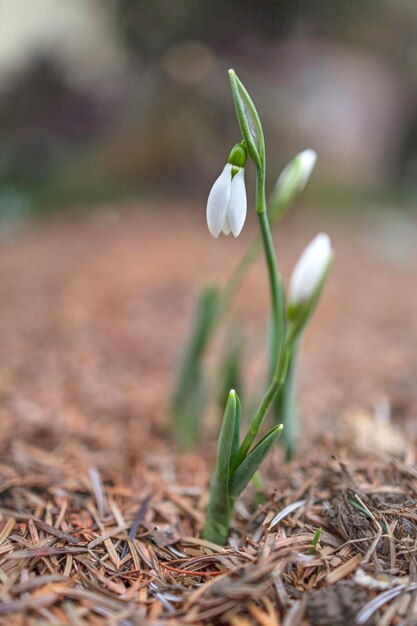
{"x":108,"y":99}
{"x":124,"y":106}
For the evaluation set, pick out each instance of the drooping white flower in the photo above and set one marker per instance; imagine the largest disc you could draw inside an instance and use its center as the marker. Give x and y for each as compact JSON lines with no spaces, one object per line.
{"x":226,"y":204}
{"x":310,"y":270}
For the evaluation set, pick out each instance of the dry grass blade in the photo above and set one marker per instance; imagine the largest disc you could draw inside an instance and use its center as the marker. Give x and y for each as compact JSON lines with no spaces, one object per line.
{"x":369,"y":609}
{"x":136,"y":523}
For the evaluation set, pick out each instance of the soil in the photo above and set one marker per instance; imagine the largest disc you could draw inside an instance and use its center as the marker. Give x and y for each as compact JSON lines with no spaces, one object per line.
{"x":99,"y":517}
{"x":336,"y":605}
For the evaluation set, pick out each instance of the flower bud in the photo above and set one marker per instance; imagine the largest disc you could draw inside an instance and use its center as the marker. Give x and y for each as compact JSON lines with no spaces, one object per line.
{"x":292,"y":180}
{"x":309,"y":272}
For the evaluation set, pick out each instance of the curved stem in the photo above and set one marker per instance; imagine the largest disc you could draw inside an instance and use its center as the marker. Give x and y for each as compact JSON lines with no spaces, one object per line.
{"x":275,"y":280}
{"x":277,"y":292}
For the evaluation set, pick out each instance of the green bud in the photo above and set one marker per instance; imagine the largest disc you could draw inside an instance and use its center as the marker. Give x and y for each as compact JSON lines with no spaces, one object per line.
{"x":238,"y":155}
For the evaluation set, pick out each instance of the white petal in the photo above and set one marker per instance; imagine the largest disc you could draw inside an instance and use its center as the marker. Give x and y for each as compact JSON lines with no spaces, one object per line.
{"x":237,"y":206}
{"x":227,"y":229}
{"x":218,"y":200}
{"x":309,"y":269}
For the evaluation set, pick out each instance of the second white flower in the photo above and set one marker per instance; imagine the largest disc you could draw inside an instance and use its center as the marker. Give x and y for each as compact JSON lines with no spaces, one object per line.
{"x":310,"y":270}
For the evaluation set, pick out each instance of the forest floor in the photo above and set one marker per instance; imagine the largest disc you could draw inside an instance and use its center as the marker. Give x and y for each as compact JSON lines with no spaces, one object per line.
{"x":100,"y":517}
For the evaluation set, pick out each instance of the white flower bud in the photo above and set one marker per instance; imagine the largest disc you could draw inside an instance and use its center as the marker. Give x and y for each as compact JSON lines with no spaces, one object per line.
{"x":307,"y":160}
{"x":226,"y":204}
{"x":294,"y":177}
{"x":310,"y":270}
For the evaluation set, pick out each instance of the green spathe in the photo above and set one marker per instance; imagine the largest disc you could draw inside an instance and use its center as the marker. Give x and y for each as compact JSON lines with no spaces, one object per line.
{"x":249,"y":122}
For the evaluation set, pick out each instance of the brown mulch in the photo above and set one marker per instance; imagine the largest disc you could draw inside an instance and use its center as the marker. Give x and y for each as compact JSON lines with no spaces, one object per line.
{"x":100,"y":520}
{"x":77,"y":546}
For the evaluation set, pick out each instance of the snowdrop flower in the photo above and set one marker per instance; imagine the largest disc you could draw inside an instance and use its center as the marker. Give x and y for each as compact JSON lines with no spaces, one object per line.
{"x":310,"y":270}
{"x":226,"y":204}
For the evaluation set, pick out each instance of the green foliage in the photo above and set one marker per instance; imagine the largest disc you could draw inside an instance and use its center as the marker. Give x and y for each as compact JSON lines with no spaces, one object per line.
{"x":238,"y":463}
{"x":230,"y":374}
{"x":284,"y":409}
{"x":188,"y":398}
{"x":233,"y":470}
{"x":315,"y":541}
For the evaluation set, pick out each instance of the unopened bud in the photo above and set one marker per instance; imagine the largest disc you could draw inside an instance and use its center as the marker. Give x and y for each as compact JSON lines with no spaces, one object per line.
{"x":292,"y":180}
{"x":309,"y":271}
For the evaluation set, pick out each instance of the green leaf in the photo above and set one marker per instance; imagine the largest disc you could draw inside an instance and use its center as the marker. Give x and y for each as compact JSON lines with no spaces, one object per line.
{"x":225,"y":444}
{"x":187,"y":411}
{"x":236,"y":438}
{"x":315,"y":541}
{"x":243,"y":474}
{"x":284,"y":407}
{"x":220,"y":504}
{"x":230,"y":373}
{"x":249,"y":122}
{"x":207,"y":308}
{"x":188,"y":394}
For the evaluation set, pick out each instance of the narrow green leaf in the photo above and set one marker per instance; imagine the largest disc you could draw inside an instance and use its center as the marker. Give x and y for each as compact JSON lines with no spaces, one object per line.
{"x":220,"y":504}
{"x":285,"y":407}
{"x":230,"y":373}
{"x":225,"y":444}
{"x":187,"y":411}
{"x":315,"y":541}
{"x":244,"y":472}
{"x":236,"y":437}
{"x":187,"y":399}
{"x":207,"y":308}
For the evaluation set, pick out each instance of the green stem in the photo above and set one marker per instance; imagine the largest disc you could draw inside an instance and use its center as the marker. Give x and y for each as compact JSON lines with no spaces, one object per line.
{"x":238,"y":275}
{"x":277,"y":295}
{"x":218,"y":518}
{"x":278,"y":317}
{"x":285,"y":407}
